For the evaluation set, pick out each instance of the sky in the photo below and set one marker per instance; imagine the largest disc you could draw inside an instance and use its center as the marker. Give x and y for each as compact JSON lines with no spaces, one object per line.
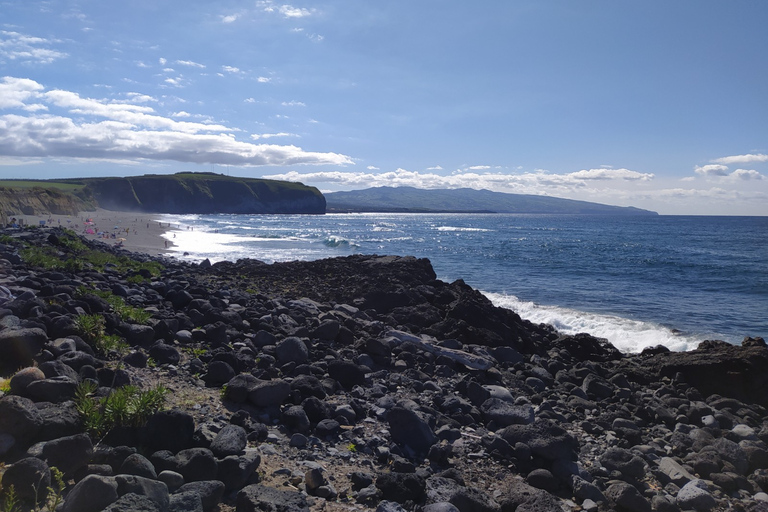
{"x":653,"y":104}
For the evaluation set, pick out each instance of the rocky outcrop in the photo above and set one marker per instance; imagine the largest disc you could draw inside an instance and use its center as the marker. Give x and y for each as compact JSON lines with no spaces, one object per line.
{"x":204,"y":193}
{"x":361,"y":383}
{"x":38,"y":201}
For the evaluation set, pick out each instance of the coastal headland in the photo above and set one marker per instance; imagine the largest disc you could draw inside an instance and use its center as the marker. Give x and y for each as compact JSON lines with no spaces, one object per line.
{"x":353,"y":383}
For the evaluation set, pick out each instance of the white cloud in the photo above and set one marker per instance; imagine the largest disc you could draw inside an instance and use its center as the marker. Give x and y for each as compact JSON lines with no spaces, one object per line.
{"x":746,"y":175}
{"x":21,"y":47}
{"x":162,"y":61}
{"x":88,"y":128}
{"x":435,"y":168}
{"x":263,"y":80}
{"x":478,"y":167}
{"x":231,"y":69}
{"x":257,"y":136}
{"x":190,"y":64}
{"x":293,"y":103}
{"x":290,"y":11}
{"x":611,"y":174}
{"x":181,"y":114}
{"x":249,"y":100}
{"x":742,"y":159}
{"x":372,"y":168}
{"x":712,"y":170}
{"x":230,"y":18}
{"x":16,"y":92}
{"x":537,"y":182}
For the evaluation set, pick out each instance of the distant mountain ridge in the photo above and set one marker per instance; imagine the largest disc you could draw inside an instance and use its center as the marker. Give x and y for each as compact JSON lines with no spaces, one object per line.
{"x":464,"y":200}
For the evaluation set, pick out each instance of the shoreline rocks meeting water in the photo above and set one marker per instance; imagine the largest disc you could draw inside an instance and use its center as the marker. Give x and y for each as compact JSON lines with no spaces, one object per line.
{"x":349,"y":383}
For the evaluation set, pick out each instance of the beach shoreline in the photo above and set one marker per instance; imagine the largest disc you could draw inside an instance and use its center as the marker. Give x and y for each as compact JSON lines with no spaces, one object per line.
{"x":134,"y":231}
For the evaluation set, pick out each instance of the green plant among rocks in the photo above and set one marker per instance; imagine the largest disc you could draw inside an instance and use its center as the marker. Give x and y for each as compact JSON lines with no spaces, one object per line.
{"x":93,"y":331}
{"x":127,"y":406}
{"x":126,"y":312}
{"x":9,"y":500}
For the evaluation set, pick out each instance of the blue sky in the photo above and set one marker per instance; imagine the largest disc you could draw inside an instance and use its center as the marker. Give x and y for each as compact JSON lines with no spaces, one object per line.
{"x":655,"y":104}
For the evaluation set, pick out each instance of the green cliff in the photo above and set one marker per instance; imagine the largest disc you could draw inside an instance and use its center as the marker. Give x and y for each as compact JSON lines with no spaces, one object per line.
{"x":203,"y":193}
{"x":176,"y":193}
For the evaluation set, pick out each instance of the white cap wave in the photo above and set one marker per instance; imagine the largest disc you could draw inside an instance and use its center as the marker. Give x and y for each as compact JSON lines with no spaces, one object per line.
{"x":625,"y":334}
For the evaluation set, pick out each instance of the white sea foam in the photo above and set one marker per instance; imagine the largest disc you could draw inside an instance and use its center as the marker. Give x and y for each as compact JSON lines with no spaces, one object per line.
{"x":458,"y":228}
{"x":625,"y":334}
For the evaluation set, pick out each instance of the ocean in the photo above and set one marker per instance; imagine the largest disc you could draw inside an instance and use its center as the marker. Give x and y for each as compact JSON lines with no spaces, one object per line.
{"x":637,"y":281}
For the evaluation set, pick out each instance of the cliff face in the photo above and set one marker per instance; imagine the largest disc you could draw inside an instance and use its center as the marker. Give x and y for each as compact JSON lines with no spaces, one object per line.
{"x":38,"y":201}
{"x":199,"y":193}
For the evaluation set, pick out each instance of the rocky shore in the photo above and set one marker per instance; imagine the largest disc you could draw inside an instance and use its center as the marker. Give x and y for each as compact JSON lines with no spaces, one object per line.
{"x":345,"y":384}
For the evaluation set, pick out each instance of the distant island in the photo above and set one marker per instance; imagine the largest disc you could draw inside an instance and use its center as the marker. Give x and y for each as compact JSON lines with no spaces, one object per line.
{"x":463,"y":200}
{"x":209,"y":193}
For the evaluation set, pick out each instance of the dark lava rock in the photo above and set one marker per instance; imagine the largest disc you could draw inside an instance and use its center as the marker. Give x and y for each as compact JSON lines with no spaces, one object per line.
{"x":30,"y":478}
{"x":258,"y":498}
{"x":545,"y":439}
{"x":401,"y":487}
{"x":231,"y":440}
{"x":197,"y":464}
{"x":626,"y":497}
{"x":91,"y":494}
{"x":408,"y":428}
{"x":169,"y":430}
{"x":210,"y":492}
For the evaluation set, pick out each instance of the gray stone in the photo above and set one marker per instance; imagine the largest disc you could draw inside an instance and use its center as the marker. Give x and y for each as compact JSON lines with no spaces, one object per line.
{"x":545,"y":439}
{"x":30,"y":478}
{"x":627,"y":497}
{"x":55,"y":389}
{"x":231,"y":440}
{"x":624,"y":461}
{"x":186,"y":502}
{"x":133,"y":503}
{"x":24,"y":378}
{"x":155,"y":490}
{"x":291,"y":350}
{"x":235,"y":471}
{"x":19,"y":418}
{"x":91,"y":494}
{"x":197,"y":464}
{"x":694,"y":495}
{"x":69,"y":453}
{"x":269,"y":392}
{"x":137,"y":464}
{"x":676,"y":473}
{"x":521,"y":497}
{"x":210,"y":492}
{"x":504,"y":413}
{"x":18,"y":347}
{"x":585,"y":490}
{"x":258,"y":498}
{"x":408,"y":428}
{"x":172,"y":479}
{"x":733,"y":453}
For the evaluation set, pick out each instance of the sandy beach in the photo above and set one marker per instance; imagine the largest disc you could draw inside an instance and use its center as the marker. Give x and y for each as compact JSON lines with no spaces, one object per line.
{"x":138,"y":232}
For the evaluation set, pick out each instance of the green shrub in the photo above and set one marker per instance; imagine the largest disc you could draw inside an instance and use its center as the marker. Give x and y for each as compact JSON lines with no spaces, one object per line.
{"x":128,"y":406}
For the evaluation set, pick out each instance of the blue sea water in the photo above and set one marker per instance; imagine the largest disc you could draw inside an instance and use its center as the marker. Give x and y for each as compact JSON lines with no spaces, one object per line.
{"x":637,"y":281}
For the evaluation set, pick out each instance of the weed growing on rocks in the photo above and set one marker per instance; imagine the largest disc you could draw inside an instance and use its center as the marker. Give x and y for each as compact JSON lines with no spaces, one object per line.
{"x":128,"y":406}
